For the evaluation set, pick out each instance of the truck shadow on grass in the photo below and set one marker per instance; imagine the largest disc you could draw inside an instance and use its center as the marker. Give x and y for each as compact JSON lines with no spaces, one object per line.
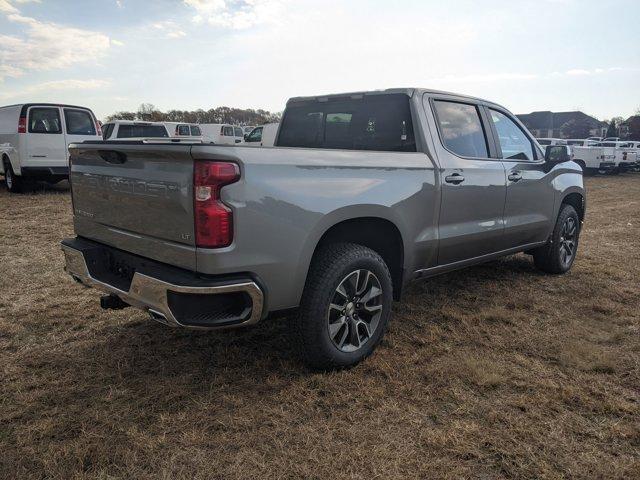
{"x":145,"y":352}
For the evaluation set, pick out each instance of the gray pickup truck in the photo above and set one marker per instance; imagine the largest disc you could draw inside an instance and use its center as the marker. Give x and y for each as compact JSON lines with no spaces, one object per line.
{"x":362,"y":193}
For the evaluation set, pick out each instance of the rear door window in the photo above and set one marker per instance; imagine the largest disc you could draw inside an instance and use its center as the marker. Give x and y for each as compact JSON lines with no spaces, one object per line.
{"x":461,"y":129}
{"x":137,"y":131}
{"x":79,"y":122}
{"x":183,"y":130}
{"x":227,"y":131}
{"x":373,"y":122}
{"x":195,"y":131}
{"x":44,"y":120}
{"x":514,"y":143}
{"x":238,"y":131}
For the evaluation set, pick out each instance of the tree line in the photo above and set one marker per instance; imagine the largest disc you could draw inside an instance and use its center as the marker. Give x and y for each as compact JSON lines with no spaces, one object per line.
{"x":148,"y":112}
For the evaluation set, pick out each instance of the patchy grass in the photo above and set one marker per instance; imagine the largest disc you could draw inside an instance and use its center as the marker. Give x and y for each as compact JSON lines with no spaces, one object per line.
{"x":491,"y":372}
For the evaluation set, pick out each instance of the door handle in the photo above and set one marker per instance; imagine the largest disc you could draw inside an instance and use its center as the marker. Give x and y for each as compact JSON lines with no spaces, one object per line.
{"x":455,"y":178}
{"x":515,"y":177}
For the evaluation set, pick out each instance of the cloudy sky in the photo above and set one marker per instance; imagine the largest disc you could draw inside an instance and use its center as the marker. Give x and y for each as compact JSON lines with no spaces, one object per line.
{"x":115,"y":54}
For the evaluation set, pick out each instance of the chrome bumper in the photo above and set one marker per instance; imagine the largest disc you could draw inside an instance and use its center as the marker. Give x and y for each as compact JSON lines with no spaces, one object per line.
{"x":150,"y":294}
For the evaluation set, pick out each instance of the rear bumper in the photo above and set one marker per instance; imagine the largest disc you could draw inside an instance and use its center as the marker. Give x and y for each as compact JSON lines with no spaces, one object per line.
{"x":172,"y":296}
{"x":45,"y":172}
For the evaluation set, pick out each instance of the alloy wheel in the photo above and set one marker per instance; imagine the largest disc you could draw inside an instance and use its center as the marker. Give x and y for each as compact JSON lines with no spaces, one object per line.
{"x":355,"y":310}
{"x":8,"y":177}
{"x":568,"y":241}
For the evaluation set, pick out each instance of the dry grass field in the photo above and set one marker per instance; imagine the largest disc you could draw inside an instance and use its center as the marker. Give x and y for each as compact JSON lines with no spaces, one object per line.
{"x":492,"y":372}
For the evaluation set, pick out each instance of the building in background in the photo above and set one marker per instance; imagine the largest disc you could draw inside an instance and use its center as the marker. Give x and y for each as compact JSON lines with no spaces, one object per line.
{"x":630,"y":128}
{"x":563,"y":125}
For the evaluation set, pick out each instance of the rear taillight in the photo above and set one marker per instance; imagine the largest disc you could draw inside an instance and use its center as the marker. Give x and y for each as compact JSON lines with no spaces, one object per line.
{"x":213,"y":219}
{"x":22,"y":125}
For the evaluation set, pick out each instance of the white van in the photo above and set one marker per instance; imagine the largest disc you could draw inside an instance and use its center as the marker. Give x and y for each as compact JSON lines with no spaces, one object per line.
{"x":219,"y":133}
{"x":38,"y":136}
{"x":262,"y":136}
{"x":183,"y":130}
{"x":125,"y":129}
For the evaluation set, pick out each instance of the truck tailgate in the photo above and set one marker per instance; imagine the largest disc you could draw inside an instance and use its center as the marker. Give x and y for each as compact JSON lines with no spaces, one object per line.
{"x":135,"y":197}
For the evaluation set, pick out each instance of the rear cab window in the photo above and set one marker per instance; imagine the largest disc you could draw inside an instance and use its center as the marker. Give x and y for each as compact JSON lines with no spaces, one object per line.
{"x":44,"y":120}
{"x":461,"y":129}
{"x":372,"y":122}
{"x":79,"y":122}
{"x":136,"y":131}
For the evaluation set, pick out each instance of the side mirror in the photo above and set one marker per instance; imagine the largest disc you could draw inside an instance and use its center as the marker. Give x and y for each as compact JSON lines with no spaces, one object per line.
{"x":555,"y":154}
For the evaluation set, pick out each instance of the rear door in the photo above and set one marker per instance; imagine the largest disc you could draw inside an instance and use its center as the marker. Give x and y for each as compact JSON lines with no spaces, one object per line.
{"x":137,"y":197}
{"x":473,"y":183}
{"x":45,"y":138}
{"x":530,"y":193}
{"x":80,"y":125}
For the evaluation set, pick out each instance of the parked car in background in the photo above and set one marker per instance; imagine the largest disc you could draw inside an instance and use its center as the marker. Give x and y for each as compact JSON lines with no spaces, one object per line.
{"x":38,"y":135}
{"x":262,"y":136}
{"x":183,"y":130}
{"x":125,"y":129}
{"x":218,"y":133}
{"x":362,"y":193}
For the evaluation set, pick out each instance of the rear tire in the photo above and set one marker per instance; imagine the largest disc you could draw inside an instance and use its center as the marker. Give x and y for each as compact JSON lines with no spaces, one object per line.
{"x":13,"y":183}
{"x":558,"y":255}
{"x":345,"y":307}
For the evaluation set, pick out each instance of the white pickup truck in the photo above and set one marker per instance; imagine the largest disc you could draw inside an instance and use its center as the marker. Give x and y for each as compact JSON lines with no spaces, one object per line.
{"x":626,"y":154}
{"x":594,"y":159}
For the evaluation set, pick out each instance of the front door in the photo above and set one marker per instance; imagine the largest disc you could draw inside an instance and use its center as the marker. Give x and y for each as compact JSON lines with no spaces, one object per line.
{"x":473,"y":184}
{"x":530,"y":199}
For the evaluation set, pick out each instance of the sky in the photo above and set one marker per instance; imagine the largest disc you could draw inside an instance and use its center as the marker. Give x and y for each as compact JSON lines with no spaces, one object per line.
{"x":527,"y":55}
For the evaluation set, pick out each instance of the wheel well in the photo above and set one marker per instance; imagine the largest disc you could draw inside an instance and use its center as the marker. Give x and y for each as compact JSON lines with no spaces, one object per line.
{"x":378,"y":234}
{"x":576,"y":201}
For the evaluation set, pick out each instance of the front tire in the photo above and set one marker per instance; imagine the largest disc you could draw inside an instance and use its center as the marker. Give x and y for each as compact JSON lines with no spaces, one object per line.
{"x":345,"y":307}
{"x":558,"y":255}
